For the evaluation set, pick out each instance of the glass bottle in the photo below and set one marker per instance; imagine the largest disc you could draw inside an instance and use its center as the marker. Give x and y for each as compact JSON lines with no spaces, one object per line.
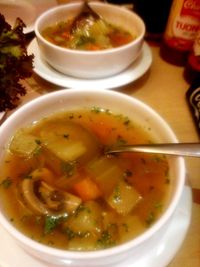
{"x":180,"y":32}
{"x":192,"y":70}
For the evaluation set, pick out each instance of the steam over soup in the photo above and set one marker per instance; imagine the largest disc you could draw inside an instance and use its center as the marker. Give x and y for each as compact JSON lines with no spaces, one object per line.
{"x":59,"y":188}
{"x":90,"y":34}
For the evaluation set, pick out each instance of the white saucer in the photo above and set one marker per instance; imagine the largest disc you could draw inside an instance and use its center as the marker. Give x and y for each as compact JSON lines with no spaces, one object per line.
{"x":160,"y":255}
{"x":1,"y":115}
{"x":132,"y":73}
{"x":27,"y":10}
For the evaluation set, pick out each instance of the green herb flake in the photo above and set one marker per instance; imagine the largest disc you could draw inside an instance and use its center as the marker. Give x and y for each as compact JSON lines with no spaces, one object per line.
{"x":82,"y":208}
{"x":72,"y":234}
{"x":105,"y":240}
{"x":125,"y":226}
{"x":96,"y":109}
{"x":38,"y":220}
{"x":69,"y":233}
{"x":71,"y":116}
{"x":120,"y":141}
{"x":167,"y":181}
{"x":6,"y":183}
{"x":108,"y":112}
{"x":127,"y":173}
{"x":69,"y":167}
{"x":158,"y":205}
{"x":150,"y":219}
{"x":50,"y":242}
{"x":143,"y":161}
{"x":167,"y":172}
{"x":38,"y":142}
{"x":28,"y":176}
{"x":126,"y":121}
{"x":37,"y":150}
{"x":117,"y":194}
{"x":50,"y":223}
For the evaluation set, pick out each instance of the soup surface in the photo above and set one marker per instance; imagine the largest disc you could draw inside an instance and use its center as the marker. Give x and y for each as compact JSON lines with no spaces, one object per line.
{"x":88,"y":35}
{"x":58,"y":187}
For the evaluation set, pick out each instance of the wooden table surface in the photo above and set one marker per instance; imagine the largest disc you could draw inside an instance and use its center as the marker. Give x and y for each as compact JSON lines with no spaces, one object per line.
{"x":163,"y":88}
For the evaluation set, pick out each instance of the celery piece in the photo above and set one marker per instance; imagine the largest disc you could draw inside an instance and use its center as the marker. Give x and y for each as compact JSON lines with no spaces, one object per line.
{"x":123,"y":198}
{"x":66,"y":151}
{"x":67,"y":140}
{"x":24,"y":144}
{"x":81,"y":242}
{"x":88,"y":218}
{"x":100,"y":27}
{"x":106,"y":173}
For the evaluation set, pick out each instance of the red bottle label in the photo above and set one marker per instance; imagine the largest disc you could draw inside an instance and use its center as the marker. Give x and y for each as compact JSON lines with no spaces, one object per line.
{"x":183,"y":24}
{"x":190,"y":8}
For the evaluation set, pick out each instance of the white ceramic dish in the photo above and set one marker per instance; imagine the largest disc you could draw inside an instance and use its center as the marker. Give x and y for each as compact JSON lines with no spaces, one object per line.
{"x":131,"y":74}
{"x":89,"y":64}
{"x":2,"y":114}
{"x":159,"y":256}
{"x":27,"y":10}
{"x":141,"y":114}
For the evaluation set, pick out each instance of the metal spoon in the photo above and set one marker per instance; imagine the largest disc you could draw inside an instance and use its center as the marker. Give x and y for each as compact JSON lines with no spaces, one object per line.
{"x":86,"y":12}
{"x":177,"y":149}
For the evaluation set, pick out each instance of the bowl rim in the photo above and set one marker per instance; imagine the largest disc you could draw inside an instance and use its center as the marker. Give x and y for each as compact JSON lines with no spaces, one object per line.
{"x":86,"y":52}
{"x":83,"y":255}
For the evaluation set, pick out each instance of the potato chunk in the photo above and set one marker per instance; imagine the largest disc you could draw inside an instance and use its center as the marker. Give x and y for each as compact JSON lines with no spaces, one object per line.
{"x":123,"y":198}
{"x":24,"y":144}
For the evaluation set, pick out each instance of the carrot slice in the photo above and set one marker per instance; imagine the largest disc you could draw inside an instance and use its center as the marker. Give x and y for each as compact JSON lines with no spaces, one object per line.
{"x":87,"y":189}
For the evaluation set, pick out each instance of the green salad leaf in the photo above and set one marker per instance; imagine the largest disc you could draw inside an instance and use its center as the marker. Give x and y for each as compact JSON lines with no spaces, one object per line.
{"x":15,"y":63}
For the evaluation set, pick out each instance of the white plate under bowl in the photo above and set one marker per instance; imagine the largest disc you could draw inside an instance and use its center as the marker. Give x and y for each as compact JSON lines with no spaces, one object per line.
{"x":1,"y":116}
{"x":27,"y":10}
{"x":132,"y":73}
{"x":160,"y":255}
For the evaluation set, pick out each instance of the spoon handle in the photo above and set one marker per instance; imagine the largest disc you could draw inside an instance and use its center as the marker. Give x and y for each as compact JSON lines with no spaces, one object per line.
{"x":177,"y":149}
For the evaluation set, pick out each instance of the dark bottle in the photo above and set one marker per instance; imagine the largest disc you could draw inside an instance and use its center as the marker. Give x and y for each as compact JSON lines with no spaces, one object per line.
{"x":155,"y":14}
{"x":193,"y":99}
{"x":192,"y":70}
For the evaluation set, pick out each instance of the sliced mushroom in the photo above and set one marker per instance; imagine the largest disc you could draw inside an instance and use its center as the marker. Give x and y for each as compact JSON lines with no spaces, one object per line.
{"x":71,"y":202}
{"x":46,"y":199}
{"x":31,"y":199}
{"x":46,"y":192}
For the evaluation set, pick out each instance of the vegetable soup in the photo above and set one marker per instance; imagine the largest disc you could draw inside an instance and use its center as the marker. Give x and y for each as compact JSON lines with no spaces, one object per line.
{"x":89,"y":35}
{"x":59,"y":187}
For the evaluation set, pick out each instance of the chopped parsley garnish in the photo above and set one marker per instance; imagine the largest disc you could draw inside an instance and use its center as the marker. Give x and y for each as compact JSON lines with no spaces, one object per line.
{"x":127,"y":173}
{"x":28,"y":176}
{"x":150,"y":219}
{"x":117,"y":194}
{"x":96,"y":109}
{"x":6,"y":183}
{"x":125,"y":226}
{"x":120,"y":141}
{"x":72,"y":234}
{"x":69,"y":167}
{"x":167,"y":181}
{"x":52,"y":221}
{"x":106,"y":240}
{"x":126,"y":121}
{"x":38,"y":142}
